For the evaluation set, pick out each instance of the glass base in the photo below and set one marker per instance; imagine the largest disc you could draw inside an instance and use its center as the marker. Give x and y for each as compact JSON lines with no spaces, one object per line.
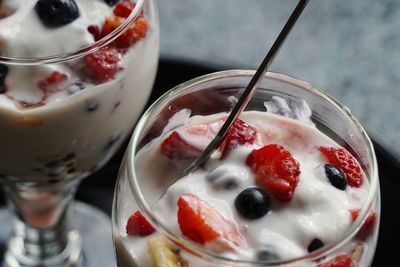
{"x":91,"y":231}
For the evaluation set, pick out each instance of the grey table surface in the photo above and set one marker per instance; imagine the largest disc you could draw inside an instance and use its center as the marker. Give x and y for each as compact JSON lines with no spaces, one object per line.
{"x":351,"y":49}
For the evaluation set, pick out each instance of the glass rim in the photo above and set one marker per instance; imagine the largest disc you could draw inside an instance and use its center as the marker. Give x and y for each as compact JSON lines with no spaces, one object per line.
{"x":80,"y":52}
{"x":197,"y":249}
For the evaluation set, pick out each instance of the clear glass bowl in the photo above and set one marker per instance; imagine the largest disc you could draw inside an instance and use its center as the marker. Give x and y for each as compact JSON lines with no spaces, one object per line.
{"x":81,"y":107}
{"x":211,"y":94}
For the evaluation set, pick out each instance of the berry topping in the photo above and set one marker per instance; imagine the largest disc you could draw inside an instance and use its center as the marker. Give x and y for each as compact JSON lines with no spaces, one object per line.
{"x":124,"y":8}
{"x":342,"y":260}
{"x":188,"y":142}
{"x":104,"y":63}
{"x":239,"y":134}
{"x":367,"y":228}
{"x":111,"y":2}
{"x":315,"y":245}
{"x":201,"y":223}
{"x":3,"y":75}
{"x":267,"y":254}
{"x":276,"y":169}
{"x":57,"y":13}
{"x":138,"y":225}
{"x":130,"y":36}
{"x":344,"y":160}
{"x":76,"y":87}
{"x":224,"y":178}
{"x":252,"y":203}
{"x":161,"y":252}
{"x":336,"y":176}
{"x":95,"y":31}
{"x":52,"y":82}
{"x":91,"y":105}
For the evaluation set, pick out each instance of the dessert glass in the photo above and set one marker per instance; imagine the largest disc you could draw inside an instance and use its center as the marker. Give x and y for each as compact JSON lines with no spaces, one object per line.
{"x":214,"y":93}
{"x":47,"y":149}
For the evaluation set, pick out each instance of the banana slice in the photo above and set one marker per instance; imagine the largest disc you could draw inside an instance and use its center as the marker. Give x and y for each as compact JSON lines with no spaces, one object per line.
{"x":161,"y":252}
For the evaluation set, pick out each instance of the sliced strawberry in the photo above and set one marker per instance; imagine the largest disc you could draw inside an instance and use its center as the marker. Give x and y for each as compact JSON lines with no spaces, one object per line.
{"x":201,"y":223}
{"x":50,"y":83}
{"x":368,"y":226}
{"x":239,"y":134}
{"x":188,"y":142}
{"x":130,"y":36}
{"x":104,"y":63}
{"x":138,"y":225}
{"x":95,"y":31}
{"x":344,"y":160}
{"x":276,"y":169}
{"x":124,"y":8}
{"x":342,"y":260}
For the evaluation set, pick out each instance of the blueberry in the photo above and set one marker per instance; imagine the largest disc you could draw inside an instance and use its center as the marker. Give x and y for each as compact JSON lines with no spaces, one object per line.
{"x":111,"y":141}
{"x":76,"y":87}
{"x":314,"y":245}
{"x":336,"y":176}
{"x":252,"y":203}
{"x":224,"y":178}
{"x":267,"y":254}
{"x":57,"y":13}
{"x":111,"y":2}
{"x":91,"y":105}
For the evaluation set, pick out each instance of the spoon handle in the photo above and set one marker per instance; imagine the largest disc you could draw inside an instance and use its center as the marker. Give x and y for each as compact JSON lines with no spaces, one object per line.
{"x":250,"y":89}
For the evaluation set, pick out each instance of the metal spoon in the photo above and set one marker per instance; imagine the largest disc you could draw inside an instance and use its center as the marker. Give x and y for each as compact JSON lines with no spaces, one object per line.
{"x":249,"y":91}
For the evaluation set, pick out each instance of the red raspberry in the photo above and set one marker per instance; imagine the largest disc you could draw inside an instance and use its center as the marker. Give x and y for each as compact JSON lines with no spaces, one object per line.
{"x":239,"y":134}
{"x":124,"y":8}
{"x":130,"y":36}
{"x":201,"y":223}
{"x":344,"y":160}
{"x":138,"y":225}
{"x":342,"y":260}
{"x":368,"y":226}
{"x":104,"y":63}
{"x":276,"y":169}
{"x":50,"y":83}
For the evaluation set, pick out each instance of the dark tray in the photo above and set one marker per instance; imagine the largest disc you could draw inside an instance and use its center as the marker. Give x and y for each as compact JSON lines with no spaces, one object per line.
{"x":98,"y":189}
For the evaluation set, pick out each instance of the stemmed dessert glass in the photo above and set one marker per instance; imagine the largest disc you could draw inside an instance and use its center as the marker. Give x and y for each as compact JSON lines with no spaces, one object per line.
{"x":48,"y":148}
{"x":214,"y":93}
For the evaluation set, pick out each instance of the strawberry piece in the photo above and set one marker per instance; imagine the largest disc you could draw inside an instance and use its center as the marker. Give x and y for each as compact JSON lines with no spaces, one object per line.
{"x":368,"y":226}
{"x":138,"y":225}
{"x":342,"y":260}
{"x":201,"y":223}
{"x":50,"y":83}
{"x":276,"y":169}
{"x":130,"y":36}
{"x":344,"y":160}
{"x":124,"y":8}
{"x":104,"y":63}
{"x":239,"y":134}
{"x":95,"y":31}
{"x":188,"y":142}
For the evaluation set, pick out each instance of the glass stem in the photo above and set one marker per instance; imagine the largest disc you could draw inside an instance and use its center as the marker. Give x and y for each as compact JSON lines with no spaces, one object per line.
{"x":41,"y":236}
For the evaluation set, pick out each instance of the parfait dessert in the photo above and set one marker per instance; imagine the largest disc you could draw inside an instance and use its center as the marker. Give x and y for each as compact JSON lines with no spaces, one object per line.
{"x":293,"y":183}
{"x":74,"y":77}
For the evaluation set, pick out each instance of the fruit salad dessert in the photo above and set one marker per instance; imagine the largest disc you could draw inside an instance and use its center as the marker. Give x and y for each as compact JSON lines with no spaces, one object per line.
{"x":65,"y":117}
{"x":276,"y":189}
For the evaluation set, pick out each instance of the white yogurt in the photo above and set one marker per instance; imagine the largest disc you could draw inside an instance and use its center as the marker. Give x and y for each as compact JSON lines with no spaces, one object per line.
{"x":317,"y":209}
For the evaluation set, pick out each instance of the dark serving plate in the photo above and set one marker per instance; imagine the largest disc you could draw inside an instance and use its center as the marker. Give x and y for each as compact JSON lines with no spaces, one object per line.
{"x":98,"y":189}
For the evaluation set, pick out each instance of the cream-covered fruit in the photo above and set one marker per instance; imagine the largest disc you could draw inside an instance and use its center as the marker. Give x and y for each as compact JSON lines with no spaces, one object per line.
{"x":276,"y":189}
